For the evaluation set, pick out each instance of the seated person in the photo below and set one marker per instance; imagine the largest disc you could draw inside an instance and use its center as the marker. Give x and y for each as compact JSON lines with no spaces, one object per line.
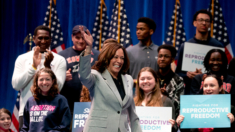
{"x":5,"y":120}
{"x":148,"y":92}
{"x":215,"y":62}
{"x":46,"y":110}
{"x":213,"y":84}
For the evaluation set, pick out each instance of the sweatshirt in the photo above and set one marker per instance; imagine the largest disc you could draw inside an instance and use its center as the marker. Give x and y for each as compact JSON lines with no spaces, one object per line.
{"x":46,"y":115}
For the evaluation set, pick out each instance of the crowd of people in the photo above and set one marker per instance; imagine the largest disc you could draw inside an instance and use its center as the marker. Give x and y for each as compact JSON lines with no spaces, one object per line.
{"x":50,"y":83}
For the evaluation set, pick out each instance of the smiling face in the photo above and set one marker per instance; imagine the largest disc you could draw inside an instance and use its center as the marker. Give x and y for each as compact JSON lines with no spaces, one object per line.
{"x":211,"y":86}
{"x":79,"y":43}
{"x":42,"y":39}
{"x":45,"y":83}
{"x":116,"y":63}
{"x":5,"y":121}
{"x":146,"y":81}
{"x":215,"y":62}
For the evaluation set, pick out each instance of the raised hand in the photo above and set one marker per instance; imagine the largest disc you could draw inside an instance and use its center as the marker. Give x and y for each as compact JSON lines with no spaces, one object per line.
{"x":36,"y":57}
{"x":68,"y":75}
{"x":86,"y":36}
{"x":48,"y":58}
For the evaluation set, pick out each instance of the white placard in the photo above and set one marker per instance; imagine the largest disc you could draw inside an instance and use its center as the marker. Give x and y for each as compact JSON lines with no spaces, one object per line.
{"x":194,"y":55}
{"x":154,"y":119}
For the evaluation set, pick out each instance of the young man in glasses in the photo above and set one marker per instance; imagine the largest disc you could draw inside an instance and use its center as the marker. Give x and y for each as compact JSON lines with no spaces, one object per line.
{"x":171,"y":84}
{"x":202,"y":20}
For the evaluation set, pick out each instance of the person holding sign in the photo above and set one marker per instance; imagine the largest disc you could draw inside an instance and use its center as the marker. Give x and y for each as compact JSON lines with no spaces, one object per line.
{"x":47,"y":110}
{"x":213,"y":84}
{"x":202,"y":20}
{"x":148,"y":92}
{"x":110,"y":89}
{"x":215,"y":62}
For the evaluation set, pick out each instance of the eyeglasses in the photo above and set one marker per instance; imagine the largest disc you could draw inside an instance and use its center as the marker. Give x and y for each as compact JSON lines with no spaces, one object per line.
{"x":207,"y":21}
{"x":165,"y":56}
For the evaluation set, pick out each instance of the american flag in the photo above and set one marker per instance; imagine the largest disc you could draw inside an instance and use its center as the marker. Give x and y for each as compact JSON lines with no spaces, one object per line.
{"x":176,"y":34}
{"x":57,"y":44}
{"x":119,"y":26}
{"x":101,"y":25}
{"x":219,"y":29}
{"x":15,"y":115}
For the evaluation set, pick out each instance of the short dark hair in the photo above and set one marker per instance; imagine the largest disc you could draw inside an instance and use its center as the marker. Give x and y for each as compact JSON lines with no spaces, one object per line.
{"x":107,"y":54}
{"x":36,"y":91}
{"x":6,"y":111}
{"x":208,"y":56}
{"x":42,"y":27}
{"x":168,"y":47}
{"x":203,"y":11}
{"x":151,"y":24}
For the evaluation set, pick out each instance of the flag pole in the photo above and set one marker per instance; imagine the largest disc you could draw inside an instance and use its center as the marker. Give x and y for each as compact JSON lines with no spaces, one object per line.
{"x":174,"y":37}
{"x":30,"y":41}
{"x":50,"y":14}
{"x":101,"y":12}
{"x":212,"y":13}
{"x":119,"y":5}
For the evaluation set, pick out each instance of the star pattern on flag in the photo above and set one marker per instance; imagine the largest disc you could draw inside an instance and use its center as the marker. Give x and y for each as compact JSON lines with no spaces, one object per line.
{"x":56,"y":32}
{"x":220,"y":30}
{"x":180,"y":36}
{"x":103,"y":25}
{"x":125,"y":37}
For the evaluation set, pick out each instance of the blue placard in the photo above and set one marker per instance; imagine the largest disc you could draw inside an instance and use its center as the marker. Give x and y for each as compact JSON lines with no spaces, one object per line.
{"x":205,"y":111}
{"x":80,"y":114}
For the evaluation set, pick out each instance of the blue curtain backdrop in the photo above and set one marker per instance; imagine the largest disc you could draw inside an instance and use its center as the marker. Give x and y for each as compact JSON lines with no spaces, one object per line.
{"x":21,"y":17}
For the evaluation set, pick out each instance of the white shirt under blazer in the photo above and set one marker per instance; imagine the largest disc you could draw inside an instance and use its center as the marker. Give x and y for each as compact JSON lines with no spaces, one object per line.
{"x":108,"y":111}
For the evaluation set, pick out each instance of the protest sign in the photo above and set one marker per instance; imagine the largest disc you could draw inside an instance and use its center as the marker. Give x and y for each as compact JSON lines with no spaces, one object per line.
{"x":154,"y":119}
{"x":205,"y":111}
{"x":194,"y":55}
{"x":80,"y":114}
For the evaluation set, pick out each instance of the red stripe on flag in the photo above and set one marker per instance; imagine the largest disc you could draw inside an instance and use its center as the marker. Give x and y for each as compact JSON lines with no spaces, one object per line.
{"x":15,"y":122}
{"x":63,"y":46}
{"x":229,"y":56}
{"x":54,"y":50}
